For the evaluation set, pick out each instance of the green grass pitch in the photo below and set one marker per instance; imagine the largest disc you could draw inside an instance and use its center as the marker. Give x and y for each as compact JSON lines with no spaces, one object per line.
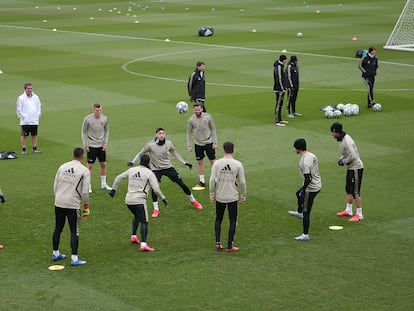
{"x":117,"y":53}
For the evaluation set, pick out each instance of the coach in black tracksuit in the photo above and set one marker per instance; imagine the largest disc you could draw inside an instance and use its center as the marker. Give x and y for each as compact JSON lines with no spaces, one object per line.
{"x":279,"y":87}
{"x":369,"y":65}
{"x":197,"y":85}
{"x":292,"y":73}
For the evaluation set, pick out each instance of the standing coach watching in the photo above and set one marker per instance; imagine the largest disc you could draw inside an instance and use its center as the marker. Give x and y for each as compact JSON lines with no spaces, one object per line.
{"x":368,"y":66}
{"x":279,"y":87}
{"x":197,"y":85}
{"x":29,"y":109}
{"x":292,"y":73}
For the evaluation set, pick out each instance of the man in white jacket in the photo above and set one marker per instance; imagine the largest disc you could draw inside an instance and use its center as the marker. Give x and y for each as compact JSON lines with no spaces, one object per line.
{"x":29,"y":109}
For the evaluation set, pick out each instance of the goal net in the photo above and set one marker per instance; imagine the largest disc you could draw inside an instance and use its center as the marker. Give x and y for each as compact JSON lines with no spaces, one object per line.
{"x":402,"y":37}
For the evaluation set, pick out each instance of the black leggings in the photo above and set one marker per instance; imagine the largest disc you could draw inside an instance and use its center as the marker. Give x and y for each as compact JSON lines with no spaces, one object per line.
{"x":233,"y":213}
{"x":140,"y":216}
{"x":307,"y":207}
{"x":73,"y":216}
{"x":173,"y":175}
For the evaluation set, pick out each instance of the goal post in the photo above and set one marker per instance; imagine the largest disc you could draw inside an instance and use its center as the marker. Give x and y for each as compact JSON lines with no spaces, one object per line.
{"x":402,"y":36}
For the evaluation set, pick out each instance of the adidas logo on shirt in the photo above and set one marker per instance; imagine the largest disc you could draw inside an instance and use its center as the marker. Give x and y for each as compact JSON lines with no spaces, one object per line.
{"x":70,"y":172}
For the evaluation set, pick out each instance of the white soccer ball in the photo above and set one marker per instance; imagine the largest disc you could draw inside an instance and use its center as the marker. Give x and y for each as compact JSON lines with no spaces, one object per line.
{"x":377,"y":107}
{"x":329,"y":114}
{"x":355,"y":109}
{"x":299,"y":35}
{"x":182,"y":107}
{"x":337,"y":113}
{"x":347,"y":111}
{"x":340,"y":107}
{"x":348,"y":106}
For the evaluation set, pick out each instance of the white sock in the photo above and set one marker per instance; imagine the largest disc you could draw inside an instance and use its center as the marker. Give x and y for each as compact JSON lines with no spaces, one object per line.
{"x":74,"y":257}
{"x":155,"y":205}
{"x":359,"y":211}
{"x":349,"y":208}
{"x":143,"y":244}
{"x":133,"y":236}
{"x":191,"y":197}
{"x":103,"y":180}
{"x":56,"y":253}
{"x":202,"y":179}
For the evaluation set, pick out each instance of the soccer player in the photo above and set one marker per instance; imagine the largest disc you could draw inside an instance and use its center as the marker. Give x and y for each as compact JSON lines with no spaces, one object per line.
{"x":196,"y":85}
{"x":279,"y":87}
{"x":350,"y":158}
{"x":95,"y":134}
{"x":159,"y":150}
{"x":368,"y":66}
{"x":226,"y":180}
{"x":29,"y":109}
{"x":310,"y":188}
{"x":70,"y":188}
{"x":292,"y":73}
{"x":140,"y":180}
{"x":205,"y":140}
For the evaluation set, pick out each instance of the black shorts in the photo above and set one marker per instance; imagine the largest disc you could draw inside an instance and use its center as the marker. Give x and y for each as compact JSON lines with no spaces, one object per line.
{"x":29,"y":130}
{"x":171,"y":173}
{"x":201,"y":151}
{"x":353,"y":182}
{"x":96,"y":153}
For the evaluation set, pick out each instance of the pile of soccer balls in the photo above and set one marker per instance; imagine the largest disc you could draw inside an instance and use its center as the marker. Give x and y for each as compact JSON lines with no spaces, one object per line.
{"x":346,"y":110}
{"x":182,"y":107}
{"x":341,"y":109}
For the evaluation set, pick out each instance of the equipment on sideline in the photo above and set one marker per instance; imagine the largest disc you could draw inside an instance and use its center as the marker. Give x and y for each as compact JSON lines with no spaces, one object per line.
{"x":402,"y":37}
{"x":337,"y":113}
{"x":182,"y":107}
{"x":354,"y":109}
{"x":329,"y":114}
{"x":340,"y":107}
{"x":7,"y":155}
{"x":206,"y":31}
{"x":360,"y":53}
{"x":56,"y":267}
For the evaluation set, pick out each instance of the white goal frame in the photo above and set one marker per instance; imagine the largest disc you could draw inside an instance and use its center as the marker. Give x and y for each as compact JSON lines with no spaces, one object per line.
{"x":402,"y":36}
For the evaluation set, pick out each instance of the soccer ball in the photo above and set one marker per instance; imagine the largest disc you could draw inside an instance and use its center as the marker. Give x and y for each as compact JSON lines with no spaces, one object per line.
{"x":299,"y":35}
{"x":347,"y":111}
{"x":355,"y":109}
{"x":377,"y":107}
{"x":340,"y":107}
{"x":182,"y":107}
{"x":329,"y":114}
{"x":348,"y":106}
{"x":337,"y":113}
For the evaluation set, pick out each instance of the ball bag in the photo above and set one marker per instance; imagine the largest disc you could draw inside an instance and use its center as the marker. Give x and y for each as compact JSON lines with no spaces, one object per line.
{"x":206,"y":31}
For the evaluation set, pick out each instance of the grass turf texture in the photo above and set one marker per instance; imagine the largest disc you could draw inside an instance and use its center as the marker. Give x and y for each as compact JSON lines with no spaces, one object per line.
{"x":139,"y":77}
